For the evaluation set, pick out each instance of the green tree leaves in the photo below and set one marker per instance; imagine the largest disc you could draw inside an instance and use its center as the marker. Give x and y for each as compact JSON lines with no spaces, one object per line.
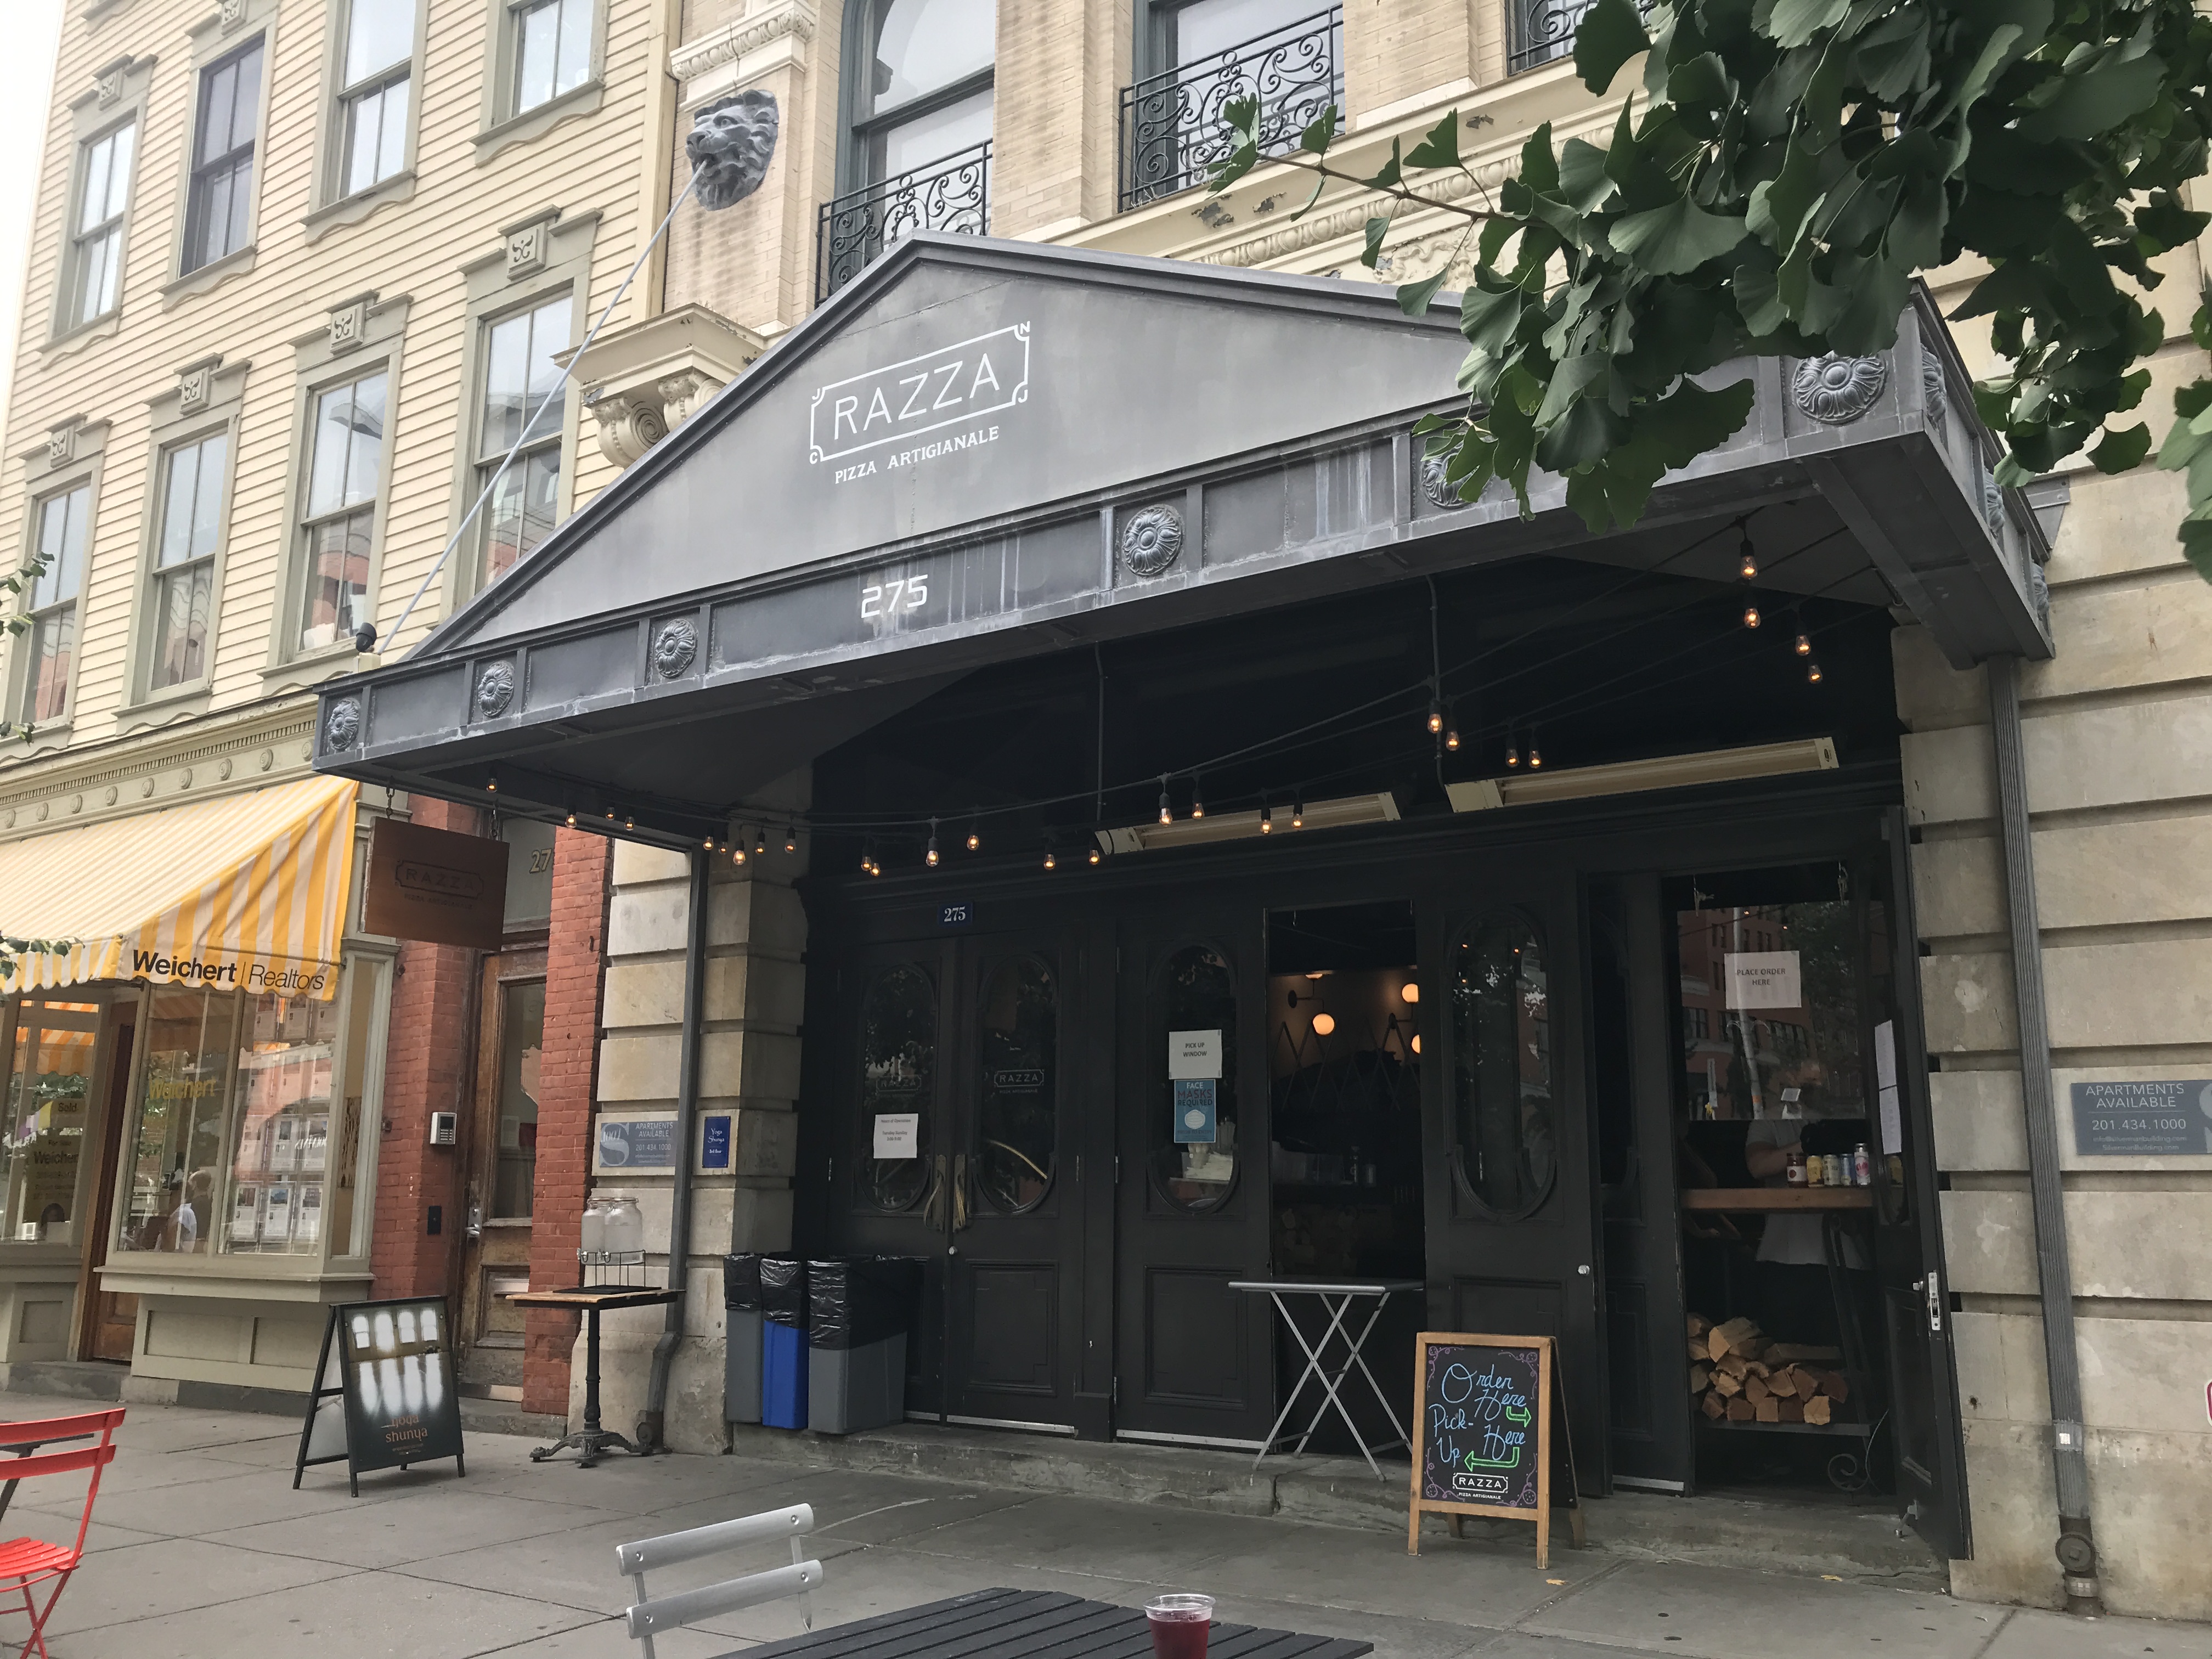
{"x":1788,"y":168}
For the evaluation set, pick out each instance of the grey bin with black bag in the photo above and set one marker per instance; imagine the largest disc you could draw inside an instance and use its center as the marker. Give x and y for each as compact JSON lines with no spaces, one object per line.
{"x":741,"y":1365}
{"x":860,"y":1310}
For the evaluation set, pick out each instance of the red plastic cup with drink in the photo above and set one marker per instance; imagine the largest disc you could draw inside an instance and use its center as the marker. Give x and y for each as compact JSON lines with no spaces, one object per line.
{"x":1179,"y":1626}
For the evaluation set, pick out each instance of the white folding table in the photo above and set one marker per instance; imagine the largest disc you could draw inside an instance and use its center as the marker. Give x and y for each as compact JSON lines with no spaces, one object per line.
{"x":1336,"y":1297}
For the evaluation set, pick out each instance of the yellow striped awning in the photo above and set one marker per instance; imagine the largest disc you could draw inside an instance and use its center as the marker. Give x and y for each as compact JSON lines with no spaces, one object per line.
{"x":246,"y":892}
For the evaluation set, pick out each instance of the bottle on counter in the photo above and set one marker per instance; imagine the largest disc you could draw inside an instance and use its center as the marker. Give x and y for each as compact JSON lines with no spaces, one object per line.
{"x":1861,"y":1166}
{"x":1796,"y":1172}
{"x":1813,"y":1170}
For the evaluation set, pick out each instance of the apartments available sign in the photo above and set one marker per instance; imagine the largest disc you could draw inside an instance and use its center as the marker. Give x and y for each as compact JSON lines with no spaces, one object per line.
{"x":881,"y":421}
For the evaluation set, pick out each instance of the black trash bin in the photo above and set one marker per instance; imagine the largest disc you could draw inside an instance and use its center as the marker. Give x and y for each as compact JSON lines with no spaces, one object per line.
{"x":860,"y":1309}
{"x":741,"y":1362}
{"x":783,"y":1341}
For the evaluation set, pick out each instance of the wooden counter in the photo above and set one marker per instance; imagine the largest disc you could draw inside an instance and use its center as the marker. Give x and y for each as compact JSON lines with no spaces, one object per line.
{"x":1755,"y":1199}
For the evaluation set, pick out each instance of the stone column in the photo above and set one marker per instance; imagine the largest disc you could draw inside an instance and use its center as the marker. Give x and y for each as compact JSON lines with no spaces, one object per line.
{"x":2117,"y":731}
{"x":749,"y":1065}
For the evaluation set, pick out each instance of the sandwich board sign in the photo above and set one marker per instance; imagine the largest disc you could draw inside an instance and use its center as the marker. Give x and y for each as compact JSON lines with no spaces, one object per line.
{"x":384,"y":1395}
{"x":1491,"y":1435}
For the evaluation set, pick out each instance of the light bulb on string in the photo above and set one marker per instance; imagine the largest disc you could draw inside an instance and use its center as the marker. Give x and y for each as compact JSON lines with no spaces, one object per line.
{"x":1451,"y":732}
{"x":628,"y":823}
{"x":760,"y":843}
{"x":738,"y":850}
{"x":1751,"y":616}
{"x":491,"y":784}
{"x":791,"y":840}
{"x":1267,"y":820}
{"x":1050,"y":862}
{"x":974,"y":840}
{"x":1093,"y":855}
{"x":1512,"y":752}
{"x":1746,"y":565}
{"x":1813,"y":673}
{"x":1536,"y":755}
{"x":1197,"y":800}
{"x":1436,"y":716}
{"x":929,"y":858}
{"x":708,"y":843}
{"x":1298,"y":811}
{"x":572,"y":820}
{"x":1167,"y":808}
{"x":1804,"y":644}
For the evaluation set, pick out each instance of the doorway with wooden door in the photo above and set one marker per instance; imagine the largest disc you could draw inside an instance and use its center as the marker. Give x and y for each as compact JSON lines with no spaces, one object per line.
{"x":108,"y":1327}
{"x":502,"y":1162}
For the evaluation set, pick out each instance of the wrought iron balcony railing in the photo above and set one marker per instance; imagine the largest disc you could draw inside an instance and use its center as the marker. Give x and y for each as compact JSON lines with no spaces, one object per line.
{"x":1545,"y":29}
{"x":1172,"y":124}
{"x":953,"y":194}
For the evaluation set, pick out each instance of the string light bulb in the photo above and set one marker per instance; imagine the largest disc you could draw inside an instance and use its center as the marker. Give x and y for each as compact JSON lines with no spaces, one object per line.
{"x":628,"y":823}
{"x":929,"y":858}
{"x":1197,"y":800}
{"x":1436,"y":716}
{"x":1267,"y":820}
{"x":1746,"y":565}
{"x":491,"y":784}
{"x":1512,"y":753}
{"x":791,"y":840}
{"x":1298,"y":811}
{"x":1167,"y":808}
{"x":1751,"y":616}
{"x":1804,"y":644}
{"x":1536,"y":755}
{"x":1093,"y":855}
{"x":572,"y":820}
{"x":974,"y":840}
{"x":738,"y":850}
{"x":708,"y":843}
{"x":1451,"y":735}
{"x":1050,"y":862}
{"x":760,"y":843}
{"x":1813,"y":673}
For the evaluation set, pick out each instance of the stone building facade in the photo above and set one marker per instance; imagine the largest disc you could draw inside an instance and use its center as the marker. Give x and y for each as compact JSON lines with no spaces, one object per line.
{"x":2117,"y":731}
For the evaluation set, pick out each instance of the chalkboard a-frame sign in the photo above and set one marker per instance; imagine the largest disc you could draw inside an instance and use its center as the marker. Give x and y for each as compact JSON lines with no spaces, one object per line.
{"x":1492,"y":1438}
{"x":384,"y":1395}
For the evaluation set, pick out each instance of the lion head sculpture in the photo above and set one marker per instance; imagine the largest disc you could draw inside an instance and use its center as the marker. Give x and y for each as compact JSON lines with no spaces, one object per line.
{"x":729,"y":145}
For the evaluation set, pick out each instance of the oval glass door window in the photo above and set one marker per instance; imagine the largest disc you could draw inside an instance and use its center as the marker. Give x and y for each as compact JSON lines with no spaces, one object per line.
{"x":1194,"y":1052}
{"x":898,"y":1084}
{"x":1017,"y":1097}
{"x":1507,"y":1155}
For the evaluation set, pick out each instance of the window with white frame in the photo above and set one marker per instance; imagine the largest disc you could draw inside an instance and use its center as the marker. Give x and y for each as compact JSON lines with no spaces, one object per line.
{"x":345,"y":475}
{"x":374,"y":83}
{"x":184,"y":559}
{"x":219,"y":202}
{"x":97,"y":232}
{"x":49,"y":647}
{"x":519,"y":376}
{"x":552,"y":49}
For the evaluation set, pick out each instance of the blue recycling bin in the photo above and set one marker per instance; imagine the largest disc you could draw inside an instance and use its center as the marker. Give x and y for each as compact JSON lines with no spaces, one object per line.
{"x":784,"y":1348}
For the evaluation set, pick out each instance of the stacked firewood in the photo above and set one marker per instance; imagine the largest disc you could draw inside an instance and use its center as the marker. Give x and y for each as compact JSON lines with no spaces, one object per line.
{"x":1737,"y":1376}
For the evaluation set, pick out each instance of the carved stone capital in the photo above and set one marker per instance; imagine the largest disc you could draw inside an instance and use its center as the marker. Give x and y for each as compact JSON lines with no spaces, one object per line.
{"x":629,"y":424}
{"x":641,"y":381}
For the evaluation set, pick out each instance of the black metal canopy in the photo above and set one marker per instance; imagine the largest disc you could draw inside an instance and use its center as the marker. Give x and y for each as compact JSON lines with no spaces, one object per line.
{"x":983,"y":450}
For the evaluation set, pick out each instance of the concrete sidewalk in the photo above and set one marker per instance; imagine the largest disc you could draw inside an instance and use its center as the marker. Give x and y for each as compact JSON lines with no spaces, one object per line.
{"x":200,"y":1548}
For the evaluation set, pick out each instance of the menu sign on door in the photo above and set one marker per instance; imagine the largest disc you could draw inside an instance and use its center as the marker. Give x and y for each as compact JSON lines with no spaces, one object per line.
{"x":1492,"y":1434}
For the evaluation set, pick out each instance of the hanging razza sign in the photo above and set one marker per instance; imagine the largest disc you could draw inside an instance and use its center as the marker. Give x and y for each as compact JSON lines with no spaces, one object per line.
{"x":384,"y":1395}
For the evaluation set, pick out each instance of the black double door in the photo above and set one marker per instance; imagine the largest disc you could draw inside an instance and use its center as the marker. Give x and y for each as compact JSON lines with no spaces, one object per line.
{"x":957,"y":1146}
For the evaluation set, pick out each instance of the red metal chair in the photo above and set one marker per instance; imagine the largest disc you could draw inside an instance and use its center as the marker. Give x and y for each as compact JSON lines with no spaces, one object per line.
{"x":32,"y":1561}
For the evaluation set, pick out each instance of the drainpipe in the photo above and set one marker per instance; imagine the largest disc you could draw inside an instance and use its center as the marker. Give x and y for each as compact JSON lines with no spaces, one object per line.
{"x":2076,"y":1547}
{"x":654,"y":1419}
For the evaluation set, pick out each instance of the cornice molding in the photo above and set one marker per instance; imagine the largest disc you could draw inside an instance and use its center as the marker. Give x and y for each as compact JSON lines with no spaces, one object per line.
{"x":734,"y":39}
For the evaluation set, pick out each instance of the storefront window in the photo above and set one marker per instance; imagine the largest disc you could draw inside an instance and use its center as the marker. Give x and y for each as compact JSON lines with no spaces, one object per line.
{"x":1507,"y":1151}
{"x":898,"y":1084}
{"x":238,"y":1136}
{"x":1017,"y":1118}
{"x":1195,"y":1155}
{"x":521,"y":1043}
{"x":49,"y":1083}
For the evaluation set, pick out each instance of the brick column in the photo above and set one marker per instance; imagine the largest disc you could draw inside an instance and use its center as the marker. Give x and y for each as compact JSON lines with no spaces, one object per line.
{"x":427,"y":1068}
{"x":567,"y":1078}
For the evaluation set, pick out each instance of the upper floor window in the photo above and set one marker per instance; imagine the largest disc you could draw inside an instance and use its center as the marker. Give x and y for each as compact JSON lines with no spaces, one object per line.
{"x":96,"y":233}
{"x":184,"y":559}
{"x":553,"y":49}
{"x":918,"y":124}
{"x":520,"y":375}
{"x":374,"y":74}
{"x":345,"y":478}
{"x":1206,"y":54}
{"x":64,"y":521}
{"x":219,"y":199}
